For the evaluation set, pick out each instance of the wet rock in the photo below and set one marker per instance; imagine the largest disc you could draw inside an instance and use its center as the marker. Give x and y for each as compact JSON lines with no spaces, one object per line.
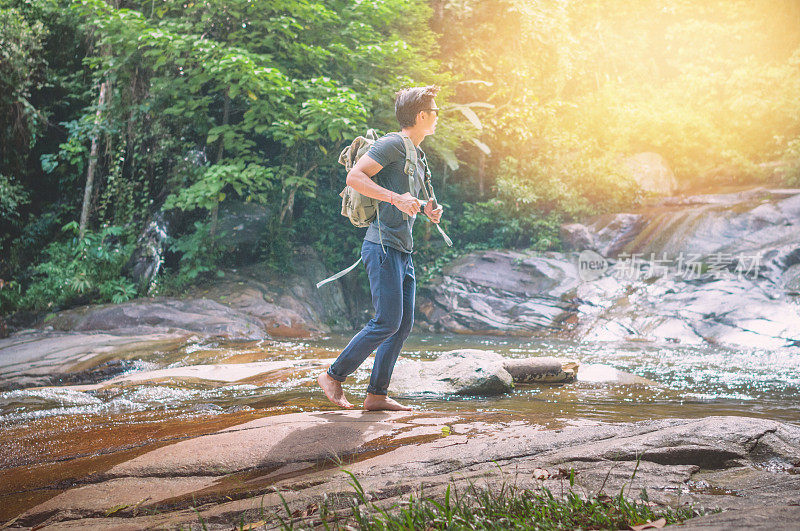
{"x":460,"y":372}
{"x":715,"y":462}
{"x":541,"y":370}
{"x":718,"y":269}
{"x":36,"y":358}
{"x":731,"y":312}
{"x":652,"y":173}
{"x":224,"y":372}
{"x":612,"y":233}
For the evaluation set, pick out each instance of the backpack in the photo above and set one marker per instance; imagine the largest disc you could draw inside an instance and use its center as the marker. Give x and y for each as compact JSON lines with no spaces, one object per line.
{"x":362,"y":210}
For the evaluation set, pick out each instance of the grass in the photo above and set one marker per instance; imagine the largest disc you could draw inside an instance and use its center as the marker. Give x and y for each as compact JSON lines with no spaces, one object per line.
{"x":506,"y":507}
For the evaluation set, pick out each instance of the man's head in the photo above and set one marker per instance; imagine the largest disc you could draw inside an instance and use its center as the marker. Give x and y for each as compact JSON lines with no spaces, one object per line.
{"x":415,"y":106}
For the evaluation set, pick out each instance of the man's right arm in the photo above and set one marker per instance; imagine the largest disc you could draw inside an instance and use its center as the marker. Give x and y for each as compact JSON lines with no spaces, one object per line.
{"x":360,"y":179}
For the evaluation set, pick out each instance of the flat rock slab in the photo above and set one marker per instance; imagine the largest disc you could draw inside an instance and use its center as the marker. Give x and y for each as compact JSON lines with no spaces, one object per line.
{"x":237,"y":470}
{"x":774,"y":518}
{"x":264,"y":443}
{"x":36,"y":357}
{"x":220,"y":372}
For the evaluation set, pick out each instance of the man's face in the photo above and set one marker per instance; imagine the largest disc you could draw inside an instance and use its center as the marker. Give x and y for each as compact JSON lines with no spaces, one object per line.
{"x":428,"y":118}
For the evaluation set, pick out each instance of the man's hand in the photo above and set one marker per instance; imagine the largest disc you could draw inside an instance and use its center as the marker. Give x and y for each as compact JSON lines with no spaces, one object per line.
{"x":406,"y":203}
{"x":434,"y":215}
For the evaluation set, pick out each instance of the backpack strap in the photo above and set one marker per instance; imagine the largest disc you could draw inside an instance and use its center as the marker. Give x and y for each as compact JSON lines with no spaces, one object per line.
{"x":410,"y":169}
{"x":341,"y":273}
{"x":410,"y":166}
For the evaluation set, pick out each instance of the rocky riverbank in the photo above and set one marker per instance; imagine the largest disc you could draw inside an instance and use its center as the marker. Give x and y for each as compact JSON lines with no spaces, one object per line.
{"x":746,"y":467}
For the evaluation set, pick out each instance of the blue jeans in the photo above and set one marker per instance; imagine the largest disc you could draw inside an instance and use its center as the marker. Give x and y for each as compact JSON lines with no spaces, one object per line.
{"x":392,"y":283}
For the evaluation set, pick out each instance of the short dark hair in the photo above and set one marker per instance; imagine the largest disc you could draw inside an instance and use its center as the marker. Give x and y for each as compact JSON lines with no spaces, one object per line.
{"x":410,"y":101}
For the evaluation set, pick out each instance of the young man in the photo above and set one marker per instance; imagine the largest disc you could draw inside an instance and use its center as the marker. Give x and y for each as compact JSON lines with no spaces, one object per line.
{"x":386,"y":250}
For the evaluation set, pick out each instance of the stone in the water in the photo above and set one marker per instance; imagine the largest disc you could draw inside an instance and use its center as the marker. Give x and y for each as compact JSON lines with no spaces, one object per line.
{"x":461,"y":372}
{"x":542,"y":370}
{"x":477,"y":372}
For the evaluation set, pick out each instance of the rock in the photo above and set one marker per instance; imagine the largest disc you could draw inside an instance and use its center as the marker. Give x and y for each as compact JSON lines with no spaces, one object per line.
{"x":460,"y":372}
{"x":500,"y":292}
{"x":242,"y":222}
{"x":790,"y":280}
{"x":613,"y":232}
{"x":249,"y":303}
{"x":731,"y":312}
{"x":287,"y":304}
{"x":162,"y":314}
{"x":652,"y":173}
{"x":224,"y":372}
{"x":718,"y":269}
{"x":148,"y":255}
{"x":577,"y":237}
{"x":35,"y":358}
{"x":773,"y":518}
{"x":258,"y":466}
{"x":541,"y":370}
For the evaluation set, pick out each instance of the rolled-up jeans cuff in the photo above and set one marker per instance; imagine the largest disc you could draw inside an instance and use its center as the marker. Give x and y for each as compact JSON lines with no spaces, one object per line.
{"x":374,"y":391}
{"x":336,"y":377}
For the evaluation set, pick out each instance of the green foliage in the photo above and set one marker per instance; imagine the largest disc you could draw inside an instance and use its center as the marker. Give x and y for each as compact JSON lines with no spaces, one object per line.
{"x":249,"y":181}
{"x":199,"y":254}
{"x":80,"y":269}
{"x":711,"y":87}
{"x":12,"y":196}
{"x":503,"y":224}
{"x":792,"y":163}
{"x":21,"y":66}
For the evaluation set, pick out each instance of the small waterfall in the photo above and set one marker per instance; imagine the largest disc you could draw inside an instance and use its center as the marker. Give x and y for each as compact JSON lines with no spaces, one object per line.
{"x":148,"y":257}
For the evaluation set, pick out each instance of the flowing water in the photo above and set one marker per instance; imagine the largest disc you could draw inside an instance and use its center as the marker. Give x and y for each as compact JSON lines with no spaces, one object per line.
{"x":693,"y":381}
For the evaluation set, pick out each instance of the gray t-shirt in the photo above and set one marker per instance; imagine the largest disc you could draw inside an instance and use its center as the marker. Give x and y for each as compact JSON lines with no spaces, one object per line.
{"x":389,"y":151}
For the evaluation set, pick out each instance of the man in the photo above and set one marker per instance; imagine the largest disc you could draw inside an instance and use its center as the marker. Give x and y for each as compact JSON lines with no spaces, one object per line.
{"x":386,"y":250}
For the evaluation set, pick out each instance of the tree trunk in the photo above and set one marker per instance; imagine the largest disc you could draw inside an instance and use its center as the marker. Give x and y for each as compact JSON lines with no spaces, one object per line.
{"x":226,"y":115}
{"x":87,"y":191}
{"x":481,"y":174}
{"x":288,"y":207}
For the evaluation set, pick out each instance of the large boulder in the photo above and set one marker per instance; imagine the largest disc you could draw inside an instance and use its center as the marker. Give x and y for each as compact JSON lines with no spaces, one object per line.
{"x":495,"y":292}
{"x":577,"y":237}
{"x":162,"y":315}
{"x":251,"y":302}
{"x":287,"y":304}
{"x":460,"y":372}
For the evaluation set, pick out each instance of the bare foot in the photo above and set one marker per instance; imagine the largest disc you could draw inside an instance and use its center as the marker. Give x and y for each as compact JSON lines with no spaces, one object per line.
{"x":333,"y":390}
{"x":383,"y":402}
